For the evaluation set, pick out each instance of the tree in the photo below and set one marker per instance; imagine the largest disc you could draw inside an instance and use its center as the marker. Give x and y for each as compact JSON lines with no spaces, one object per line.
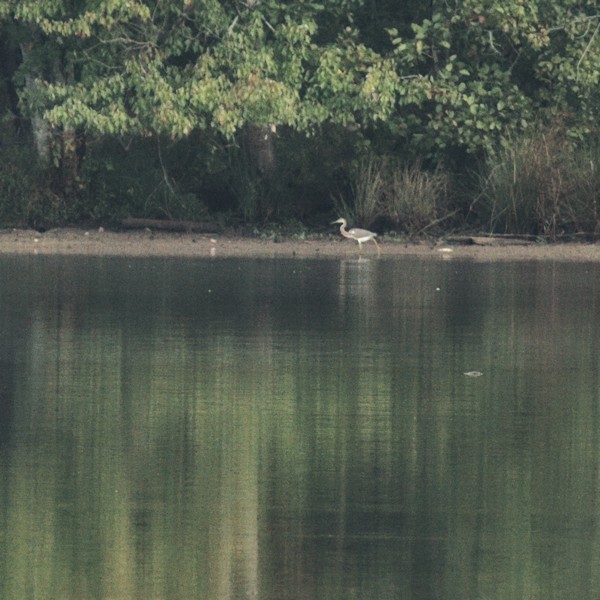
{"x":134,"y":67}
{"x":180,"y":66}
{"x":438,"y":79}
{"x":477,"y":70}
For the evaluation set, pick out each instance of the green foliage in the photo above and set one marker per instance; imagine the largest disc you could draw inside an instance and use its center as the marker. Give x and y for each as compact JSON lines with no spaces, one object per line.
{"x":135,"y":67}
{"x":26,"y":196}
{"x":475,"y":71}
{"x":17,"y":185}
{"x":446,"y":77}
{"x":440,"y":82}
{"x":144,"y":178}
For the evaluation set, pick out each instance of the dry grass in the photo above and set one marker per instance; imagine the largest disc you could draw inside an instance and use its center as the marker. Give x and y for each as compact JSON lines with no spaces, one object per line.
{"x":541,"y":184}
{"x":367,"y":185}
{"x":416,"y":199}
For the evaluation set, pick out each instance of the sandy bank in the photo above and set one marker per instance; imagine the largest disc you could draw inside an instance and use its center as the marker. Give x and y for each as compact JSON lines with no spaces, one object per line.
{"x":94,"y":242}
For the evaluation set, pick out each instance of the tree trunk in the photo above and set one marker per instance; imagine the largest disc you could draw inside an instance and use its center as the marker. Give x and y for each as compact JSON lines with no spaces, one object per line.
{"x":39,"y":126}
{"x":258,"y":199}
{"x":260,"y":146}
{"x":9,"y":58}
{"x":60,"y":151}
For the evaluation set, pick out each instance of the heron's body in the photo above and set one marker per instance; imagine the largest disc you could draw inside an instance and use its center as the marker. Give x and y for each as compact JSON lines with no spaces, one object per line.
{"x":360,"y":235}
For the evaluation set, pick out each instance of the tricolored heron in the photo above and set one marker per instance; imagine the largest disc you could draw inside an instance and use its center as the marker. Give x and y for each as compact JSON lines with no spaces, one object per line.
{"x":360,"y":235}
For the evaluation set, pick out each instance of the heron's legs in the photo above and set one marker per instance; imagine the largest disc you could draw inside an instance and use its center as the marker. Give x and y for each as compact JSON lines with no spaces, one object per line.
{"x":376,"y":246}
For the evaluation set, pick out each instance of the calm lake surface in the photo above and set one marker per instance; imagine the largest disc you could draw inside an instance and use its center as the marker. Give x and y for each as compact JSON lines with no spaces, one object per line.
{"x":274,"y":429}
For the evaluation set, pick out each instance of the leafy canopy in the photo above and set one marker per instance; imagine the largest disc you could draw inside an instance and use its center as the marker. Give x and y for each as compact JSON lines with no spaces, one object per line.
{"x":438,"y":76}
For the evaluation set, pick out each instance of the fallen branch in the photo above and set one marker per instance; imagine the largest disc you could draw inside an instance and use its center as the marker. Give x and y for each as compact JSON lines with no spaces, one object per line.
{"x":485,"y":239}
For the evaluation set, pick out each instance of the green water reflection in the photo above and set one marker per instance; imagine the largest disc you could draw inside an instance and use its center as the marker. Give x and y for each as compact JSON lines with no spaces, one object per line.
{"x":298,"y":429}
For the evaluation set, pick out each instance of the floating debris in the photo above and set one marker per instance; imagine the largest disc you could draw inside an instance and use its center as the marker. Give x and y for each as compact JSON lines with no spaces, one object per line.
{"x":473,"y":373}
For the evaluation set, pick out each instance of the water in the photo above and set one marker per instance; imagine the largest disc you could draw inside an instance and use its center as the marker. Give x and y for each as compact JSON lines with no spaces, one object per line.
{"x":273,"y":429}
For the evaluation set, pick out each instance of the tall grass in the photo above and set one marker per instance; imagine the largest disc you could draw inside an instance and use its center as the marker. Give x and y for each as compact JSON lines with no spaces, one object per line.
{"x":406,"y":197}
{"x":416,"y":199}
{"x":367,"y":185}
{"x":542,"y":184}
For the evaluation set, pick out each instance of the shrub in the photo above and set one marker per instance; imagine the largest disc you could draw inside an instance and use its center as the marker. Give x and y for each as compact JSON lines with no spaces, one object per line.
{"x":26,"y":197}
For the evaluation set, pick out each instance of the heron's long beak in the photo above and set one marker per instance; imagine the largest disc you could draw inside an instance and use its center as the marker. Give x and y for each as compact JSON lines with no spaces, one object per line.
{"x":334,"y":222}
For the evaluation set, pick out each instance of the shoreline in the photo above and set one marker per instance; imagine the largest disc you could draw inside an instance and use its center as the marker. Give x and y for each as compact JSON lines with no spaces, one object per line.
{"x":145,"y":243}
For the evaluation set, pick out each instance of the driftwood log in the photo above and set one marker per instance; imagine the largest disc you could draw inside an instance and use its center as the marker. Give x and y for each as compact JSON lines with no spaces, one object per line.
{"x":170,"y":225}
{"x":506,"y":239}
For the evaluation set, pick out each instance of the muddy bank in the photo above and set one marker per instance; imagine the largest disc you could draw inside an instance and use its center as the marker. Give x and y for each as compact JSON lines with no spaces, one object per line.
{"x":98,"y":242}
